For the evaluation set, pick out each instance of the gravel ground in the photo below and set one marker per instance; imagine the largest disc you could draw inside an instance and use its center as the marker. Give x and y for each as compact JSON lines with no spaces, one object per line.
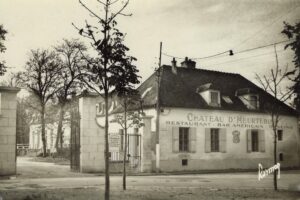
{"x":147,"y":194}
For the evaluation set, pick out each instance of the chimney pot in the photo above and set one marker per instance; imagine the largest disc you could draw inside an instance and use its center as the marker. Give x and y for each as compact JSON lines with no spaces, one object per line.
{"x":188,"y":63}
{"x":174,"y":67}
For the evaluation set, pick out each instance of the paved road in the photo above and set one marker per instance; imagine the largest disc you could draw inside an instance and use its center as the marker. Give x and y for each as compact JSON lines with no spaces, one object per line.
{"x":28,"y":168}
{"x":210,"y":181}
{"x":77,"y":180}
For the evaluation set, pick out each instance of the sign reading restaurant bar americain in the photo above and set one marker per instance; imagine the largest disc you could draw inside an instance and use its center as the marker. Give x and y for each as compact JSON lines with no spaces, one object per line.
{"x":234,"y":121}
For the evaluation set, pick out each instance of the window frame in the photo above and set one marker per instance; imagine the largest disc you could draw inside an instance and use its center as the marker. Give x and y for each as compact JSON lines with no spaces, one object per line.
{"x":280,"y":132}
{"x":211,"y":92}
{"x":184,"y":139}
{"x":255,"y":140}
{"x":253,"y":104}
{"x":215,"y":140}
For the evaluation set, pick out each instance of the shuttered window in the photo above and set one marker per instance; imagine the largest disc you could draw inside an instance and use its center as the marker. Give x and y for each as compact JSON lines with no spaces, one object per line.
{"x":215,"y":140}
{"x":279,"y":135}
{"x":175,"y":138}
{"x":184,"y":139}
{"x":255,"y":140}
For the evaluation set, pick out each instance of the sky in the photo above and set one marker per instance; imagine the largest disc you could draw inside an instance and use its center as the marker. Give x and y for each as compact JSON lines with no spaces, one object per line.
{"x":187,"y":28}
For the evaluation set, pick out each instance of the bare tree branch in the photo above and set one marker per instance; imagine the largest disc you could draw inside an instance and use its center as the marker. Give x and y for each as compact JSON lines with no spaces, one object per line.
{"x":92,"y":12}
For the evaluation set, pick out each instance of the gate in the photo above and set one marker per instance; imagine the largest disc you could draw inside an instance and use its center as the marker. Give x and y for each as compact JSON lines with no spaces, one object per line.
{"x":75,"y":138}
{"x":117,"y":144}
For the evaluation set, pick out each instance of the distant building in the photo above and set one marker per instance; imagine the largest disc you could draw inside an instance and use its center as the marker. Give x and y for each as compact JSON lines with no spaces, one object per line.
{"x":208,"y":120}
{"x":8,"y":106}
{"x":35,"y":136}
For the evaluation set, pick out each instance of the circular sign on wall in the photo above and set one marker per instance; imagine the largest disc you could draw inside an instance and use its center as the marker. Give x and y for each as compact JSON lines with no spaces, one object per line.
{"x":236,"y":136}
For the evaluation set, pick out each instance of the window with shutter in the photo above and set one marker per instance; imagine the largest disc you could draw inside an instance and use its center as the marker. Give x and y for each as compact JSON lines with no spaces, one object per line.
{"x":249,"y":141}
{"x":183,"y":139}
{"x":254,"y":138}
{"x":193,"y":140}
{"x":261,"y":142}
{"x":175,"y":137}
{"x":207,"y":140}
{"x":214,"y":140}
{"x":223,"y":140}
{"x":279,"y":135}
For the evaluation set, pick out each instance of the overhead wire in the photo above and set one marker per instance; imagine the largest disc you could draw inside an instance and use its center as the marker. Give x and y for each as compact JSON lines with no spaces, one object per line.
{"x":241,"y":59}
{"x":228,"y":51}
{"x":267,"y":26}
{"x":231,"y":52}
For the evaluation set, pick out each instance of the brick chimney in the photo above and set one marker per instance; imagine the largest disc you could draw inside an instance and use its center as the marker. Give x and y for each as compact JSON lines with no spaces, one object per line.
{"x":188,"y":63}
{"x":174,"y":66}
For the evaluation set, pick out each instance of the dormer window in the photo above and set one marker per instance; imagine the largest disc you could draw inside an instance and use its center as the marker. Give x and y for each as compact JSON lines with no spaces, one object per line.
{"x":214,"y":98}
{"x":253,"y":102}
{"x":249,"y":97}
{"x":209,"y":94}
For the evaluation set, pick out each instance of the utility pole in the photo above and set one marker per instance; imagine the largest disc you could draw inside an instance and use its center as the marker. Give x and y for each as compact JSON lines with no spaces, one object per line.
{"x":159,"y":75}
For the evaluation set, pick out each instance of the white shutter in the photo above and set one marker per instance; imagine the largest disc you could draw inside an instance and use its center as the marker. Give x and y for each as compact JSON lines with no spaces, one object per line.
{"x":175,"y":138}
{"x":207,"y":140}
{"x":192,"y":139}
{"x":249,"y":141}
{"x":222,"y":141}
{"x":261,"y":140}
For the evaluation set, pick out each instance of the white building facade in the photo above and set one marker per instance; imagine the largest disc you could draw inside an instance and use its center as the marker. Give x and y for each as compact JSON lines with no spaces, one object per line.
{"x":208,"y":120}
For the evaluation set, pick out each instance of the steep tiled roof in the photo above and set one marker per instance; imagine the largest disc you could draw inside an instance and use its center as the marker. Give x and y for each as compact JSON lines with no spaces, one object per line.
{"x":180,"y":90}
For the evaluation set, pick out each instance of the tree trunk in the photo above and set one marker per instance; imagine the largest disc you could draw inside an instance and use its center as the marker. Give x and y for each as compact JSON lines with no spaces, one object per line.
{"x":106,"y":151}
{"x":43,"y":131}
{"x":275,"y":160}
{"x":125,"y":147}
{"x":59,"y":135}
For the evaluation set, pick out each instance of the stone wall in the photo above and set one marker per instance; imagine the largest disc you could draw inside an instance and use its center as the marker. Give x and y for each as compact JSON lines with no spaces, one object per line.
{"x":8,"y":130}
{"x":91,"y":137}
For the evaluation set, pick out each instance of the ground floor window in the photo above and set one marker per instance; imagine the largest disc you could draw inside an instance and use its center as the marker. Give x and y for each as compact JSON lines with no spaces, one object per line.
{"x":214,"y":139}
{"x":183,"y":139}
{"x":255,"y":140}
{"x":279,"y":135}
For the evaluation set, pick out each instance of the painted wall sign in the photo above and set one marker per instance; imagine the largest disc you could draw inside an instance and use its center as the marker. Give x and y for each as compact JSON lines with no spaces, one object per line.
{"x":223,"y":121}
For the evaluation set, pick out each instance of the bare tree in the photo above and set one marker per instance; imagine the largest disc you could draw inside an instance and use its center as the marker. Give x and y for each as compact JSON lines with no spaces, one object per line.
{"x":131,"y":117}
{"x":40,"y":78}
{"x":274,"y":84}
{"x":3,"y":32}
{"x":70,"y":52}
{"x":104,"y":72}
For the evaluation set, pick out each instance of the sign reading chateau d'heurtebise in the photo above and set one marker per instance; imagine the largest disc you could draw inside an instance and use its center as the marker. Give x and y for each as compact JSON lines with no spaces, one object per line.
{"x":223,"y":121}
